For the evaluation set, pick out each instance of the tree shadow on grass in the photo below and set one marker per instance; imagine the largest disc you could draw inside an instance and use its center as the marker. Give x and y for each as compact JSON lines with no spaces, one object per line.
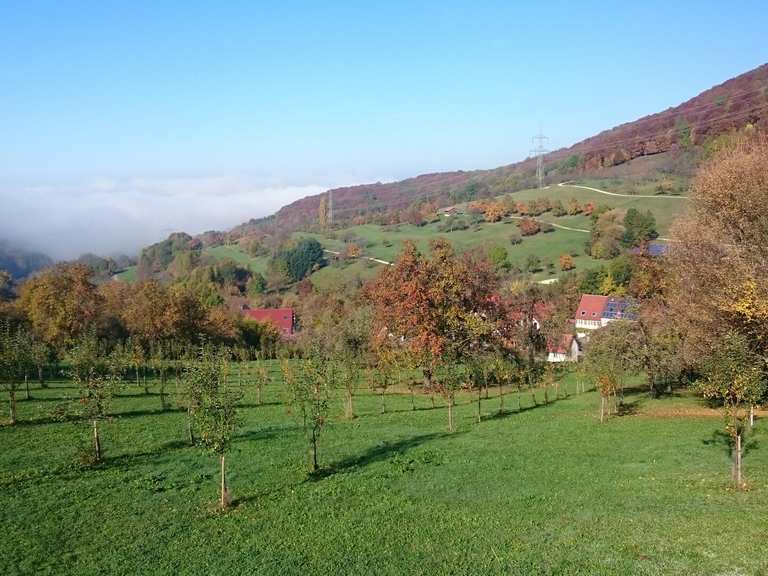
{"x":629,"y":408}
{"x":131,"y":459}
{"x":255,"y":405}
{"x":377,"y":453}
{"x":725,"y":442}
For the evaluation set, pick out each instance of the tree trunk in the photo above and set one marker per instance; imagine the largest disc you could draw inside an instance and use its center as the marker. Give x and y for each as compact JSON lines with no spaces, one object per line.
{"x":427,"y":377}
{"x":751,"y":415}
{"x":96,"y":441}
{"x":12,"y":398}
{"x":313,"y":464}
{"x":190,"y":428}
{"x":383,"y":402}
{"x":163,"y":403}
{"x":26,"y":387}
{"x":223,"y":491}
{"x":138,"y":382}
{"x":144,"y":379}
{"x":413,"y":397}
{"x":501,"y":397}
{"x":450,"y":413}
{"x":737,"y":470}
{"x":546,"y":394}
{"x":349,"y":412}
{"x":479,"y":410}
{"x":602,"y":409}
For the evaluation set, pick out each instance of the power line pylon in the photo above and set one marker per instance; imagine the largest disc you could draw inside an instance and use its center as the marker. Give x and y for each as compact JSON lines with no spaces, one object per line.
{"x":539,"y":152}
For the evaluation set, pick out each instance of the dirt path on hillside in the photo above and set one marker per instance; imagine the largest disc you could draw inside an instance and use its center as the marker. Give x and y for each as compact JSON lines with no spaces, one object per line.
{"x":657,"y":197}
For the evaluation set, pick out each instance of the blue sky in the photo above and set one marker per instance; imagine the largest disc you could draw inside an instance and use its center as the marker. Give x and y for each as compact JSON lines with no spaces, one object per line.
{"x":240,"y":107}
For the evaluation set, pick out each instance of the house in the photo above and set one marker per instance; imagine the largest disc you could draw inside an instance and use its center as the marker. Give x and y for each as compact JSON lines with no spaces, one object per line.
{"x":283,"y":319}
{"x":597,"y":311}
{"x":566,"y":350}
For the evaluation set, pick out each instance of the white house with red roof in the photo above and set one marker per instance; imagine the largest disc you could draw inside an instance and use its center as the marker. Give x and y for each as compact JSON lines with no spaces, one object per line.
{"x":565,"y":350}
{"x":597,"y":311}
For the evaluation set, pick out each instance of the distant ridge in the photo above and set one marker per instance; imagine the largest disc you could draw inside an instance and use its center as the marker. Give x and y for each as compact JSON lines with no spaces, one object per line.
{"x":20,"y":262}
{"x":728,"y":106}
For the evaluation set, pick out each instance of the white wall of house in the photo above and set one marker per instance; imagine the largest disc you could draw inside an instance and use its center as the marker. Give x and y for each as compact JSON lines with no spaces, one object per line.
{"x":585,"y":324}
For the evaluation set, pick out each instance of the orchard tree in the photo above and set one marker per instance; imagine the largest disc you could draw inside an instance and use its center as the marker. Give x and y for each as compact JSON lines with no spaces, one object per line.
{"x":441,"y":308}
{"x":216,"y":414}
{"x":92,"y":373}
{"x":310,"y":387}
{"x":735,"y":378}
{"x":15,"y":361}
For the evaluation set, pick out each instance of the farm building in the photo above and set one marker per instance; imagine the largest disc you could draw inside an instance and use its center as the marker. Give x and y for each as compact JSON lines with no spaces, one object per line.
{"x":283,"y":319}
{"x":597,"y":311}
{"x":565,"y":350}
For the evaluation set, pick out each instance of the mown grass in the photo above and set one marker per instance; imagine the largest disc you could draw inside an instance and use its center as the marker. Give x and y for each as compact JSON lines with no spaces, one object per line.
{"x":543,"y":490}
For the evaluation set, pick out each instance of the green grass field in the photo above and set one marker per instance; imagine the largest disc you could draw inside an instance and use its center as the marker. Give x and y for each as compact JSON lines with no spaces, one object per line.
{"x":386,"y":242}
{"x":541,"y":490}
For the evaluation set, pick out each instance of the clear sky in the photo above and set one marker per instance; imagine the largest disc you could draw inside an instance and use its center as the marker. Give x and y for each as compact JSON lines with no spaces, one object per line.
{"x":123,"y":121}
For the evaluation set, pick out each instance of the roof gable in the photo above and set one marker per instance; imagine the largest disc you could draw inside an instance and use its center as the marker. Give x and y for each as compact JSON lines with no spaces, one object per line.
{"x":591,"y":307}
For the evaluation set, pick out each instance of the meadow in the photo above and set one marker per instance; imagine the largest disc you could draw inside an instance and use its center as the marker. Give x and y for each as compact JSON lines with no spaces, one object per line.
{"x":386,"y":242}
{"x":540,"y":489}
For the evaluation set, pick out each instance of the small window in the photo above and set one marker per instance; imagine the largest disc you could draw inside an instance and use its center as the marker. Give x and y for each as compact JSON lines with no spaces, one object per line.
{"x":583,"y":313}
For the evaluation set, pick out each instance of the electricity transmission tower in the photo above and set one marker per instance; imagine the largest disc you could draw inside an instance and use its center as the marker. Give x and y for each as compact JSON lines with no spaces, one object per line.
{"x":539,"y":152}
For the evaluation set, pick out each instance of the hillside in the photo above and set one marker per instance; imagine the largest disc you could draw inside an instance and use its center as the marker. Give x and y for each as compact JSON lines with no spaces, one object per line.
{"x":664,"y":147}
{"x":20,"y":262}
{"x":645,"y":164}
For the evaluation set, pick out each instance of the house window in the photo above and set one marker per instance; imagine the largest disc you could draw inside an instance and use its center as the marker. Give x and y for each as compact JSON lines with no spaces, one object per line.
{"x":583,"y":313}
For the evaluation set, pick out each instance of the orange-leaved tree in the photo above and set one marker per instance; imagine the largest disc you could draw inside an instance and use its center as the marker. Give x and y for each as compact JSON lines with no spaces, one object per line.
{"x":439,"y":309}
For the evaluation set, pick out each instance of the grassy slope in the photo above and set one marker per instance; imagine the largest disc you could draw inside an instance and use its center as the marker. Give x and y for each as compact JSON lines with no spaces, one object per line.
{"x":234,"y":253}
{"x":543,"y":491}
{"x":548,"y":247}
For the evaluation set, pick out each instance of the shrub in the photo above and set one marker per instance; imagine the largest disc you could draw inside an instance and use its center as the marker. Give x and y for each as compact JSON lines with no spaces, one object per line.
{"x":529,"y":227}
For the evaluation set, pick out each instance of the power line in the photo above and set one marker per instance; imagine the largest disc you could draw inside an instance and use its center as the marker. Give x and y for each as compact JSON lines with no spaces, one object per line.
{"x":539,"y":152}
{"x":582,"y":150}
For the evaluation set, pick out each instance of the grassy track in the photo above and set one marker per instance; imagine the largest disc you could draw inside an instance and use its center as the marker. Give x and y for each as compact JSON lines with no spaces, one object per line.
{"x":547,"y":490}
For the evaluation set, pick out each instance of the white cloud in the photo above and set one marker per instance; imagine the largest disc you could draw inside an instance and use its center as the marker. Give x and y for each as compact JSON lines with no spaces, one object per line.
{"x":108,"y":215}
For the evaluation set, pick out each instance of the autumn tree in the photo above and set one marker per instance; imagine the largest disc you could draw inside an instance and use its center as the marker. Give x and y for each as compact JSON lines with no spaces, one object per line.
{"x":494,"y":211}
{"x":566,"y":262}
{"x":440,"y":308}
{"x":322,"y":213}
{"x":529,"y":226}
{"x":719,"y":259}
{"x":61,"y":303}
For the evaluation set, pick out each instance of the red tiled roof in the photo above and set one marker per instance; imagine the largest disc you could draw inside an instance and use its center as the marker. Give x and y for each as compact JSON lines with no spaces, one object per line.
{"x":563,"y":346}
{"x":280,"y":318}
{"x":591,"y":307}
